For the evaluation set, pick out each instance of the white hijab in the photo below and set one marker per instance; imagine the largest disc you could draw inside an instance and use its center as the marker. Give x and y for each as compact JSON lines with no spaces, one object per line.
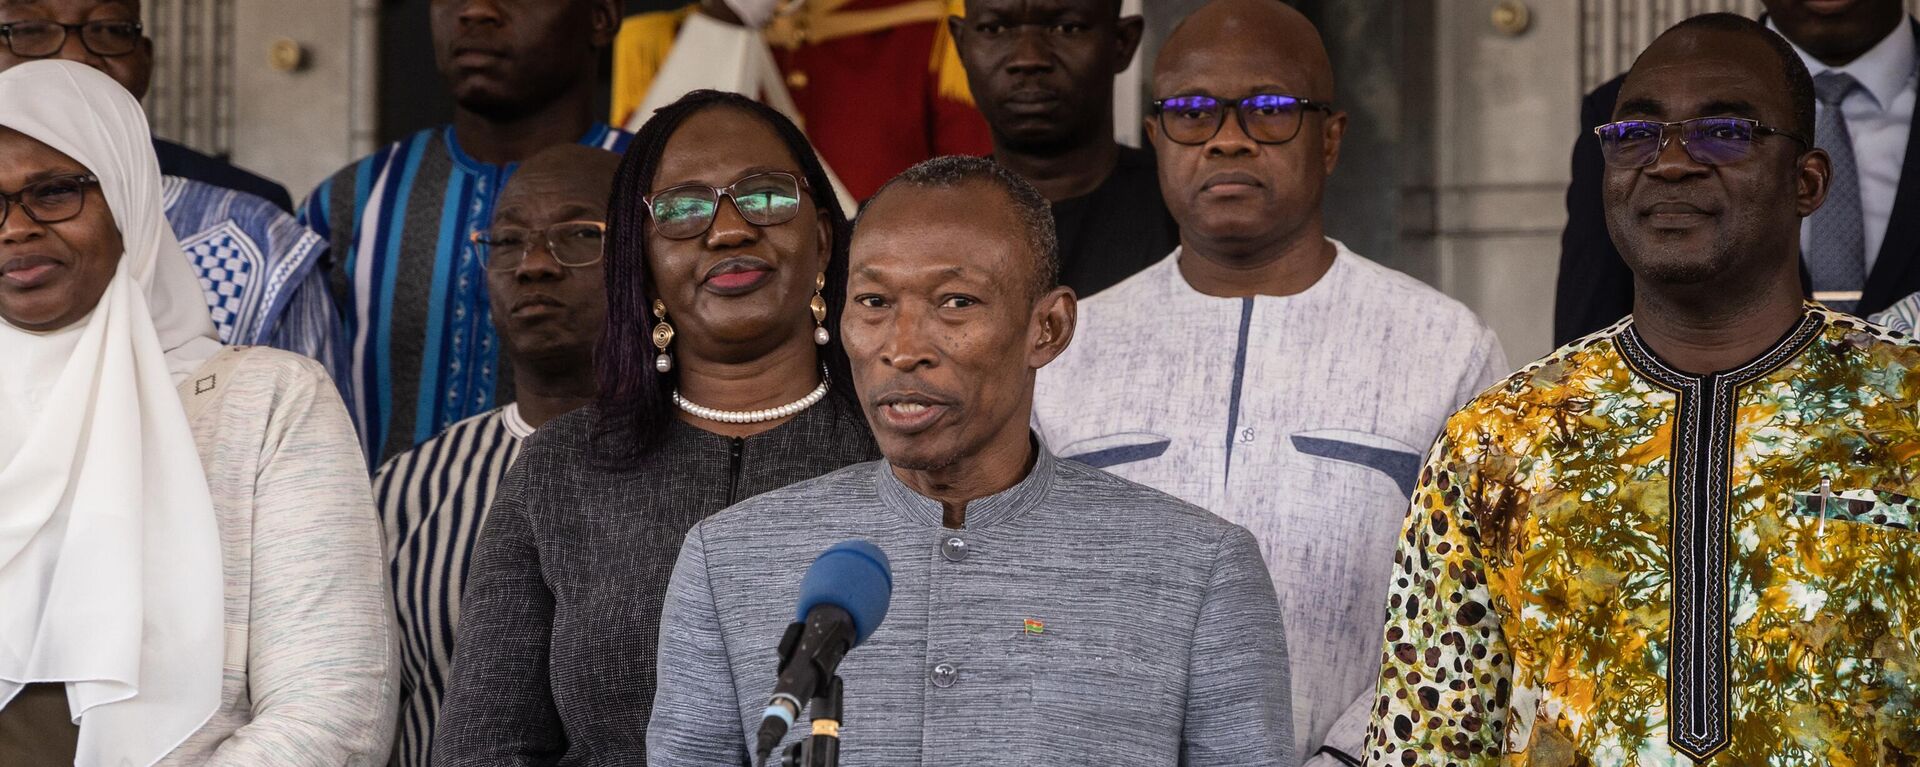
{"x":110,"y":569}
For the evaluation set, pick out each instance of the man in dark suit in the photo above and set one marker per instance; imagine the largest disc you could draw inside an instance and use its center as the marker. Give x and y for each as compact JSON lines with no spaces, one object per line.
{"x":1860,"y":253}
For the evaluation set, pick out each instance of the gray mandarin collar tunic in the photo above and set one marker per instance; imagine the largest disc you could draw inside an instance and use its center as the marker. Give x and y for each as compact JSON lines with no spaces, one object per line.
{"x":1077,"y":619}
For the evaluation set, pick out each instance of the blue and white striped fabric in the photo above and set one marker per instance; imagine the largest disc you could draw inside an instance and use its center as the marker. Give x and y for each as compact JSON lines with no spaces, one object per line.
{"x":433,"y":500}
{"x":257,"y":265}
{"x":419,"y":333}
{"x":1903,"y":315}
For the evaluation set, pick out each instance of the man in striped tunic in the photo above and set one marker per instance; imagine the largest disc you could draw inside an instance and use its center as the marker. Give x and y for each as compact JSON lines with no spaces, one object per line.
{"x":421,"y":349}
{"x":544,"y":278}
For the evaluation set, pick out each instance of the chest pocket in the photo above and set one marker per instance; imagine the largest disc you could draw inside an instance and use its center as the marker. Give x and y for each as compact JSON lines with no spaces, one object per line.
{"x":1397,"y":460}
{"x":1116,"y":449}
{"x":1870,"y":644}
{"x":1109,"y":703}
{"x":1866,"y":507}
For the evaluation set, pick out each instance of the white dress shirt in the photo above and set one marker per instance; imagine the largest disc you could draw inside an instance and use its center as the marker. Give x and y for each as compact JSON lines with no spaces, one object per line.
{"x":1879,"y":116}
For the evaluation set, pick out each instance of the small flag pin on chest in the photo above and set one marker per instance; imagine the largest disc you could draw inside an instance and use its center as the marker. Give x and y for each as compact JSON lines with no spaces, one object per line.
{"x":1036,"y":627}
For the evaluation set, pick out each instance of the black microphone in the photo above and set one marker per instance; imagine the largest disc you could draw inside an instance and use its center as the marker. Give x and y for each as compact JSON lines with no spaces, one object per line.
{"x":843,"y":598}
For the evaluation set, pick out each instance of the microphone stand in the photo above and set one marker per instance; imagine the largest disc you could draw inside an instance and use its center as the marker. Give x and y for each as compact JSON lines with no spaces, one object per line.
{"x":822,"y":748}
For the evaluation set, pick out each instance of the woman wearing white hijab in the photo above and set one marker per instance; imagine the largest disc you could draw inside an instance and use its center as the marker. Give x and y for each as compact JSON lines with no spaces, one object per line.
{"x":189,"y":560}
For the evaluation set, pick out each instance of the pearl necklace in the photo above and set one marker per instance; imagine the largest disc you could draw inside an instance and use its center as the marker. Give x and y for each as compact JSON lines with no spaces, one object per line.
{"x":755,"y":416}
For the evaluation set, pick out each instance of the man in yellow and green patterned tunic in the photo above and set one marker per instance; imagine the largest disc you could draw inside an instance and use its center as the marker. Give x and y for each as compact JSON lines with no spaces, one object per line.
{"x":1689,"y":538}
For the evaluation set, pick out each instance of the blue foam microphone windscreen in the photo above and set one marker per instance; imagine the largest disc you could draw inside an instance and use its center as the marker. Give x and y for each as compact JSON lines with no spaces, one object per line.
{"x":853,"y":576}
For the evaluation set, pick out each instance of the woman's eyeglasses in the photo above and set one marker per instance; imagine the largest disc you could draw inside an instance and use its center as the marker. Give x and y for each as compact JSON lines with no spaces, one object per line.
{"x":40,"y":39}
{"x":51,"y":201}
{"x":687,"y":211}
{"x":1267,"y":118}
{"x":1708,"y":140}
{"x":574,"y":244}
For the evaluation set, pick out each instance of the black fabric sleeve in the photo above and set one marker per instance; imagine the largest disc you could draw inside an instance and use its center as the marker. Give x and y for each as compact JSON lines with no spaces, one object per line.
{"x":1594,"y":288}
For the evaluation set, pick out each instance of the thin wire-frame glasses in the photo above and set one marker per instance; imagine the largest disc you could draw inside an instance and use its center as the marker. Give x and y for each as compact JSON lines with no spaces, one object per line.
{"x":573,"y":244}
{"x":1708,"y":140}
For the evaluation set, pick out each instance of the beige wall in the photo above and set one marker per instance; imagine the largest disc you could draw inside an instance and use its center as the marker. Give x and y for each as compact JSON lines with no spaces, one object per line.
{"x":1488,"y":210}
{"x":217,"y":89}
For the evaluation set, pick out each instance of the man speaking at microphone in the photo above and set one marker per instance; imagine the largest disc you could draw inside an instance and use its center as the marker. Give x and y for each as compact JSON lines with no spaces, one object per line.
{"x":1043,"y":612}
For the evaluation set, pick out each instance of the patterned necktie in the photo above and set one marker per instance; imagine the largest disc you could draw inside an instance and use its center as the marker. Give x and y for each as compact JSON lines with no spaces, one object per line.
{"x":1837,"y":249}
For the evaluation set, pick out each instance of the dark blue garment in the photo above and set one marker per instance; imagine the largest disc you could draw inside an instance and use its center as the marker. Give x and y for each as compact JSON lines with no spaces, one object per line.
{"x":177,"y":160}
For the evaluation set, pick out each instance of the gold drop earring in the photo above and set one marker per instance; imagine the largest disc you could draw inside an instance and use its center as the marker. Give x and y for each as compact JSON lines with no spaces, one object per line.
{"x":662,"y":335}
{"x":819,"y":305}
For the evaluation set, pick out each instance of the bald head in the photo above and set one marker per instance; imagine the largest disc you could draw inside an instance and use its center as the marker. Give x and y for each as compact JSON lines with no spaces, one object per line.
{"x":1713,"y":35}
{"x":570,"y":180}
{"x":1738,"y":229}
{"x":1249,"y":191}
{"x":550,"y":303}
{"x":1265,"y":39}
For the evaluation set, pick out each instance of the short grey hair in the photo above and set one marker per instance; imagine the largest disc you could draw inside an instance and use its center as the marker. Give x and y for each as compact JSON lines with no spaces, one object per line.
{"x":1032,"y":208}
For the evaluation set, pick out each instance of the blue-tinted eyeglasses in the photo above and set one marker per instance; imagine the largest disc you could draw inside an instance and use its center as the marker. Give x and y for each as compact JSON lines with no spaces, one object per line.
{"x":1708,"y":140}
{"x":1268,"y":118}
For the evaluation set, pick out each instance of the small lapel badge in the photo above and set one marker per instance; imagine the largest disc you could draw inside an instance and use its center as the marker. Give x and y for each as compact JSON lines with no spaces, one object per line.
{"x":1036,"y":627}
{"x":203,"y":385}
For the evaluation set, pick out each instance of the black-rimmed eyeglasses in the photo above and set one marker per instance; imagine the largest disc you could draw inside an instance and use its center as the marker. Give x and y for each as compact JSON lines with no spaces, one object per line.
{"x":1268,"y":118}
{"x":40,"y":39}
{"x":1708,"y":140}
{"x":50,"y":201}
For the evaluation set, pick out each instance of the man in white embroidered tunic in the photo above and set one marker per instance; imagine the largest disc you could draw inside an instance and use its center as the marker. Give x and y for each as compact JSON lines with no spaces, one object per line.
{"x":1264,"y":372}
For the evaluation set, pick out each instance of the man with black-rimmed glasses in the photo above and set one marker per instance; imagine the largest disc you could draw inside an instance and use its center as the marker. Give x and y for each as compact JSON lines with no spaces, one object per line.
{"x":107,"y":35}
{"x":259,"y":267}
{"x":1265,"y":372}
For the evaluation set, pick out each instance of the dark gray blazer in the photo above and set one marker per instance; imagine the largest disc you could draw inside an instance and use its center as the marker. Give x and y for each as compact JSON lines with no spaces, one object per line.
{"x":554,"y":662}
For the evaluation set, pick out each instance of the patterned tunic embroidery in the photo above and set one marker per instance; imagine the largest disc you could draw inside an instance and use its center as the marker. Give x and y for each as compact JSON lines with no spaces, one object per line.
{"x":1602,"y":525}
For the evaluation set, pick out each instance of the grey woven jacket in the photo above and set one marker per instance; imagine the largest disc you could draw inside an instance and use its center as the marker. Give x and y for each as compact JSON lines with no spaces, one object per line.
{"x":1078,"y":619}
